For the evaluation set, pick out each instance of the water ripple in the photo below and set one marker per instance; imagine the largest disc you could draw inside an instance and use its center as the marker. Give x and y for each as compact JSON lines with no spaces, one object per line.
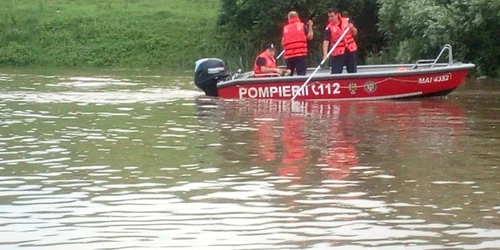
{"x":98,"y":97}
{"x":121,"y":164}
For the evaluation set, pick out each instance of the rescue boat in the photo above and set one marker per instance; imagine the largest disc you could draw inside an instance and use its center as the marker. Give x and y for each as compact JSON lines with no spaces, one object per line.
{"x":425,"y":77}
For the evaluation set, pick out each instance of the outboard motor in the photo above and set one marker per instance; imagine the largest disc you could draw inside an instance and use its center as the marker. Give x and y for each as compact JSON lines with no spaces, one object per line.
{"x":207,"y":73}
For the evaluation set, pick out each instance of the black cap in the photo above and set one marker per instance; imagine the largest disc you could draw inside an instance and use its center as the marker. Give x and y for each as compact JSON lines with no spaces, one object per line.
{"x":269,"y":46}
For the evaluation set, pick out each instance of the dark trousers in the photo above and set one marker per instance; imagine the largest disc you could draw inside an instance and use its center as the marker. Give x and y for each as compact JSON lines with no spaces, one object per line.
{"x":337,"y":64}
{"x":348,"y":59}
{"x":297,"y":63}
{"x":350,"y":62}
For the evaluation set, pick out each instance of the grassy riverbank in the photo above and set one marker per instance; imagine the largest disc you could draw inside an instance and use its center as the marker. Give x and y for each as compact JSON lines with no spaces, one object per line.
{"x":169,"y":34}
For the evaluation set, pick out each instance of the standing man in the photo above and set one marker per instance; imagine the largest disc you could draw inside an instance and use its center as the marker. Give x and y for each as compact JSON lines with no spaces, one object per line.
{"x":294,"y":41}
{"x":345,"y":52}
{"x":266,"y":64}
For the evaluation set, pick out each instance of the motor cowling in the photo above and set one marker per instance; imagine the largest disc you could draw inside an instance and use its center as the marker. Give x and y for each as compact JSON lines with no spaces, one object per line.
{"x":207,"y":73}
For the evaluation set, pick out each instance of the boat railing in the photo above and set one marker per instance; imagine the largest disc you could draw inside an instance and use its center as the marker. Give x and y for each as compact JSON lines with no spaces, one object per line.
{"x":266,"y":75}
{"x":247,"y":75}
{"x":432,"y":62}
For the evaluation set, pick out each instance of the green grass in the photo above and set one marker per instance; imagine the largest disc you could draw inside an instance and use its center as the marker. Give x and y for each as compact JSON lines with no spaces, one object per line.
{"x":169,"y":34}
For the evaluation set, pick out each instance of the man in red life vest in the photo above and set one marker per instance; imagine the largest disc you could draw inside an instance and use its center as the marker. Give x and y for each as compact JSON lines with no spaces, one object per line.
{"x":345,"y":52}
{"x":265,"y":63}
{"x":294,"y":41}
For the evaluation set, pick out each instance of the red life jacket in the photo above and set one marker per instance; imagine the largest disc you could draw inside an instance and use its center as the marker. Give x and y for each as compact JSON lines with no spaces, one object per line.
{"x":335,"y":33}
{"x":294,"y":39}
{"x":270,"y":63}
{"x":349,"y":37}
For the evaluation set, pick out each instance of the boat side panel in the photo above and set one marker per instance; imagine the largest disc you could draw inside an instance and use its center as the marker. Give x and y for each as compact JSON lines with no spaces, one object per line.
{"x":363,"y":88}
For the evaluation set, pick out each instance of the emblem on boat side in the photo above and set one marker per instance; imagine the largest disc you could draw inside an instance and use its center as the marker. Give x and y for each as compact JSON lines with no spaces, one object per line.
{"x":370,"y":86}
{"x":353,"y":88}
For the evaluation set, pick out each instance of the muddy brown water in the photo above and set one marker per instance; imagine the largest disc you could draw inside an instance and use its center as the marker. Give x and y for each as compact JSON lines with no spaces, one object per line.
{"x":134,"y":160}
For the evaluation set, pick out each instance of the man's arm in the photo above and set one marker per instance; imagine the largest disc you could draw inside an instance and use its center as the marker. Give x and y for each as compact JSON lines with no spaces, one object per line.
{"x":325,"y":48}
{"x":261,"y":63}
{"x":353,"y":29}
{"x":326,"y":42}
{"x":265,"y":69}
{"x":309,"y":34}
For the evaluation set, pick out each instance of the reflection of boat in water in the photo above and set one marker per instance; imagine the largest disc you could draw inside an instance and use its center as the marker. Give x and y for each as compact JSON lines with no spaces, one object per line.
{"x":296,"y":138}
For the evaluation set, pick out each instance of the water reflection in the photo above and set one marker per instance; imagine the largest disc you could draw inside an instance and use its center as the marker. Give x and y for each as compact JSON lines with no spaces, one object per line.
{"x":365,"y":174}
{"x":302,"y":139}
{"x":98,"y":164}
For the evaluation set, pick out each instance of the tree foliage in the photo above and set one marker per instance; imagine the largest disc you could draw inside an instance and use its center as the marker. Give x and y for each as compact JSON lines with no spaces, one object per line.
{"x":389,"y":30}
{"x":247,"y":25}
{"x":419,"y":28}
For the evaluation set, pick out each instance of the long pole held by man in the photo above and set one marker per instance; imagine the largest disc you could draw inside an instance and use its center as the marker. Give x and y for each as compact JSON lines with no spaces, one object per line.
{"x":323,"y":61}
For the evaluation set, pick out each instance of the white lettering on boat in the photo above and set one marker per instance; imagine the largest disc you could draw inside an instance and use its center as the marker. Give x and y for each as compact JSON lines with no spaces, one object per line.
{"x":329,"y":88}
{"x":252,"y":92}
{"x":289,"y":91}
{"x":441,"y":78}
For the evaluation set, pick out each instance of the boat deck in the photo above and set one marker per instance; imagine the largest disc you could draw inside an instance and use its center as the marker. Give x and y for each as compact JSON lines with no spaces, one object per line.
{"x":363,"y":69}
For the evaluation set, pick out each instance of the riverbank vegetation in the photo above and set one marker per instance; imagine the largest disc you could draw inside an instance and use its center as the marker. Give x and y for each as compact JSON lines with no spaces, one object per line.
{"x":173,"y":34}
{"x":111,"y":33}
{"x":390,"y":31}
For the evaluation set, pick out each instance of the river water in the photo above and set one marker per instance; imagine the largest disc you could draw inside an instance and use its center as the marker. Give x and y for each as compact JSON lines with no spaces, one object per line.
{"x":138,"y":160}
